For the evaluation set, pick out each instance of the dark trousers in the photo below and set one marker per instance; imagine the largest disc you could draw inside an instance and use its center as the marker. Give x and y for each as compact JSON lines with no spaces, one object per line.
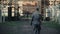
{"x":37,"y":29}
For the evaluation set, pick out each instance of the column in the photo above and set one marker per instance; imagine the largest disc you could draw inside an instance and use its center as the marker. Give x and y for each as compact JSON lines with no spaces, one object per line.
{"x":15,"y":10}
{"x":39,"y":5}
{"x":2,"y":11}
{"x":0,"y":14}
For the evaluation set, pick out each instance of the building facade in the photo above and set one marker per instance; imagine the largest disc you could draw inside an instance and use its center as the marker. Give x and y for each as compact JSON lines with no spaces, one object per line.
{"x":22,"y":6}
{"x":53,"y":9}
{"x":10,"y":8}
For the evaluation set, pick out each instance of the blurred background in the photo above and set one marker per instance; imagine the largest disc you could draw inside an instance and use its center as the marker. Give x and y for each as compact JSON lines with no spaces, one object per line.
{"x":15,"y":15}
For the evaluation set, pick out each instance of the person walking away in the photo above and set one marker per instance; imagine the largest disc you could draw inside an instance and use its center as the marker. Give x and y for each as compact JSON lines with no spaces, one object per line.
{"x":36,"y":21}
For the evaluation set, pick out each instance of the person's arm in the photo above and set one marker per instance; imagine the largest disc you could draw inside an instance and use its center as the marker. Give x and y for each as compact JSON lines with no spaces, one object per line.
{"x":40,"y":19}
{"x":32,"y":20}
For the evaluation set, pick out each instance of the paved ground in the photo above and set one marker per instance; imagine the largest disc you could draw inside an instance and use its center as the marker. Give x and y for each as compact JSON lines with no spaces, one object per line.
{"x":24,"y":27}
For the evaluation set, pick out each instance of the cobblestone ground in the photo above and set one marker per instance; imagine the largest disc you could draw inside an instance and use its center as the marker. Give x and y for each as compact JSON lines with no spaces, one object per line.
{"x":24,"y":27}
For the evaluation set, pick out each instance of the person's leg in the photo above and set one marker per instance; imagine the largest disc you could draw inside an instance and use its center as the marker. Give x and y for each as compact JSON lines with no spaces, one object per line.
{"x":35,"y":29}
{"x":38,"y":31}
{"x":39,"y":28}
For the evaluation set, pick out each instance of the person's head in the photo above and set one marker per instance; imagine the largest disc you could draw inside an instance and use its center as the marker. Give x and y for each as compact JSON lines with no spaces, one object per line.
{"x":37,"y":9}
